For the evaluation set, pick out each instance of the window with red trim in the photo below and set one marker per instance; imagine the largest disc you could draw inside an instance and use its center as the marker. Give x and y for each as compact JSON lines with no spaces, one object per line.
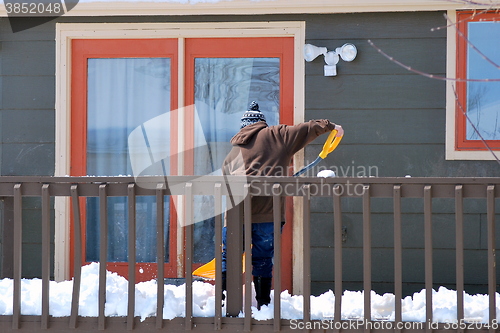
{"x":125,"y":120}
{"x":122,"y":92}
{"x":478,"y":85}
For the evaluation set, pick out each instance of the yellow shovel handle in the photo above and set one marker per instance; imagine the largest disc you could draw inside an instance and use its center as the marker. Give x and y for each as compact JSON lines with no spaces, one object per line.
{"x":330,"y":144}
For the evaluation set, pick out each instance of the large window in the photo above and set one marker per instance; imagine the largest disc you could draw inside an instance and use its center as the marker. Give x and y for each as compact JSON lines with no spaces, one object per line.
{"x":478,"y":90}
{"x":223,"y":87}
{"x":126,"y":120}
{"x":119,"y":86}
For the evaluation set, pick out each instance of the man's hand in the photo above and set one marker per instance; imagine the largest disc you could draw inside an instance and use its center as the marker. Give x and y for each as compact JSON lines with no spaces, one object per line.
{"x":340,"y":131}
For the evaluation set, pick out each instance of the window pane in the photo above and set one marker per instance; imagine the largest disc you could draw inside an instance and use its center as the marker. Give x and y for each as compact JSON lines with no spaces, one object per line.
{"x":224,"y":87}
{"x":483,"y":98}
{"x":123,"y":95}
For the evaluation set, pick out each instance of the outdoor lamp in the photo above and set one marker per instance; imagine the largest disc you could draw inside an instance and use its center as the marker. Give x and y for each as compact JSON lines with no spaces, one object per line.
{"x":347,"y":52}
{"x":311,"y":52}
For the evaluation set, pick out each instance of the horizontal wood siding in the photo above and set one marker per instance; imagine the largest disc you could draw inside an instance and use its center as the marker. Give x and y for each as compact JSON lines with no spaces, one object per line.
{"x":394,"y":122}
{"x":395,"y":125}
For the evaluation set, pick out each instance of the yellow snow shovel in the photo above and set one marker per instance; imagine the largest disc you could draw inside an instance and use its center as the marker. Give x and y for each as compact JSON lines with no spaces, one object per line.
{"x":330,"y":144}
{"x":207,"y":271}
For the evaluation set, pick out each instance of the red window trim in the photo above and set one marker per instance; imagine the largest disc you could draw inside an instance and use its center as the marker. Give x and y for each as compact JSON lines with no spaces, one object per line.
{"x":268,"y":47}
{"x":461,"y":142}
{"x":245,"y":47}
{"x":82,"y":50}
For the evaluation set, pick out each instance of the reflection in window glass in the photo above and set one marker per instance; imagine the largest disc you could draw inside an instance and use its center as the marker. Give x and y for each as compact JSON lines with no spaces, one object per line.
{"x":123,"y":94}
{"x":483,"y":98}
{"x":224,"y":87}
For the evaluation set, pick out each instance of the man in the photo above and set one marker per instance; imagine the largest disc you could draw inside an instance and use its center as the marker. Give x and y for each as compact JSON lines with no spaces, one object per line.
{"x":262,"y":150}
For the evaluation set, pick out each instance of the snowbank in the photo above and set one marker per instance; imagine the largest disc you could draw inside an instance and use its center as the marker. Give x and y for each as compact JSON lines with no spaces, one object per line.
{"x":322,"y":307}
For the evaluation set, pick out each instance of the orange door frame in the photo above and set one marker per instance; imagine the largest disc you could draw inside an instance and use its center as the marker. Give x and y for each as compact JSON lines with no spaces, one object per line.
{"x":82,"y":50}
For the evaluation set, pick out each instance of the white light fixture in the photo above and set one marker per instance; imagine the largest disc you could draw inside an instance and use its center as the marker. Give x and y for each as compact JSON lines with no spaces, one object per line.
{"x":331,"y":59}
{"x":311,"y":52}
{"x":347,"y":52}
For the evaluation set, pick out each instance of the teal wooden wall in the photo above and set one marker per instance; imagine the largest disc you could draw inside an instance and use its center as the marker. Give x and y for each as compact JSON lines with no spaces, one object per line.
{"x":394,"y":122}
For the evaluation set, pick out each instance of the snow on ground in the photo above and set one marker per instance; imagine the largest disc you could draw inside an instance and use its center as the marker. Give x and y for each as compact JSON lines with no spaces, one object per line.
{"x":444,"y":301}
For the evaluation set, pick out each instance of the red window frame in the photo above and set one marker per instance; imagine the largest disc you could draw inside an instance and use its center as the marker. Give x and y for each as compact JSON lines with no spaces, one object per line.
{"x":246,"y":47}
{"x":82,"y":50}
{"x":461,"y":142}
{"x":268,"y":47}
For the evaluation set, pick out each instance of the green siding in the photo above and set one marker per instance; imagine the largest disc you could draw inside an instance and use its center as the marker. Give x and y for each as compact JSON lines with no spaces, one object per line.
{"x":394,"y":121}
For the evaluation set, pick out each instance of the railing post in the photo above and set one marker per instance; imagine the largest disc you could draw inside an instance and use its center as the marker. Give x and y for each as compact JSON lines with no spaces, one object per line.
{"x":459,"y":257}
{"x":131,"y":255}
{"x":277,"y":255}
{"x":189,"y":255}
{"x":77,"y":259}
{"x":160,"y":257}
{"x":428,"y":255}
{"x":103,"y":253}
{"x":306,"y":231}
{"x":18,"y":247}
{"x":398,"y":256}
{"x":492,"y":280}
{"x":337,"y":244}
{"x":45,"y":255}
{"x":367,"y":255}
{"x":247,"y":209}
{"x":234,"y":246}
{"x":218,"y":256}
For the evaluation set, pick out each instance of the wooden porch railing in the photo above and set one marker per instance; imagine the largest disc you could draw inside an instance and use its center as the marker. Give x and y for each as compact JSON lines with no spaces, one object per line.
{"x":14,"y":189}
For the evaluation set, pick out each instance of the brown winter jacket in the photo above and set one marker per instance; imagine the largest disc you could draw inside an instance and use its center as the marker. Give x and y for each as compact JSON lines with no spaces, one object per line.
{"x":261,"y":150}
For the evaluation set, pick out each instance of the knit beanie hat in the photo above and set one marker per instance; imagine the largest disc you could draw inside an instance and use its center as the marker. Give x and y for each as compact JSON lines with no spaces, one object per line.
{"x":252,"y":116}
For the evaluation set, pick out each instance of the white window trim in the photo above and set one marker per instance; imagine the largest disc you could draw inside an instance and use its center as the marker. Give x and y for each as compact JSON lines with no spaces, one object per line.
{"x":65,"y":32}
{"x":451,"y":67}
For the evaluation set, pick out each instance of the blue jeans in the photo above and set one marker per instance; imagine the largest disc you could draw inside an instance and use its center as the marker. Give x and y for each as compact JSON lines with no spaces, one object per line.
{"x":262,"y":249}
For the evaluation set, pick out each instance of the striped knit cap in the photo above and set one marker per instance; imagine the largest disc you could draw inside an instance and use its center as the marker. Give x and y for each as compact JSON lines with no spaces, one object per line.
{"x":252,"y":116}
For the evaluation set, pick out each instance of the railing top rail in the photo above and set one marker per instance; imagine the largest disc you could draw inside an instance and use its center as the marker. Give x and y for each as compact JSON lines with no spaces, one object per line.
{"x":442,"y":187}
{"x":246,"y":179}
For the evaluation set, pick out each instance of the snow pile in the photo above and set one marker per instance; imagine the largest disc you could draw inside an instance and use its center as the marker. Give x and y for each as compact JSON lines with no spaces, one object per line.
{"x":116,"y":297}
{"x":444,"y":306}
{"x":322,"y":307}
